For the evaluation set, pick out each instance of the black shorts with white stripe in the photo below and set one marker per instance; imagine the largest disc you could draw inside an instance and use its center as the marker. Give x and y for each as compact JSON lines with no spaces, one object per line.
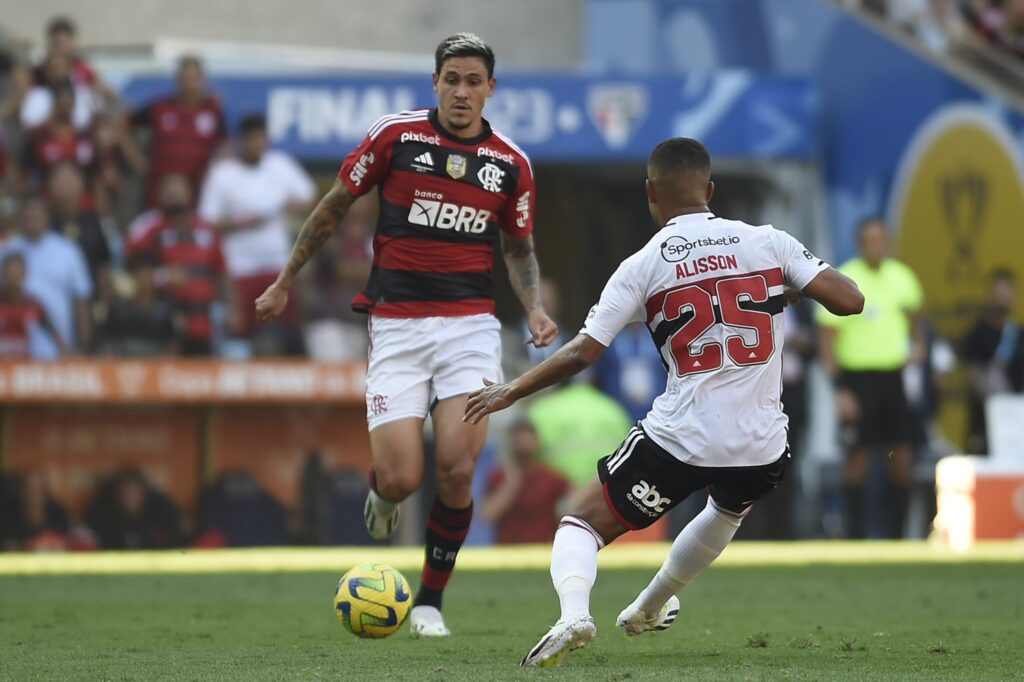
{"x":642,"y":482}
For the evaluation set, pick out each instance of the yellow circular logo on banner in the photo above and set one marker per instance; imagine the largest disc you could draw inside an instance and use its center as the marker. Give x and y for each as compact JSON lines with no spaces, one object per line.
{"x":958,"y":208}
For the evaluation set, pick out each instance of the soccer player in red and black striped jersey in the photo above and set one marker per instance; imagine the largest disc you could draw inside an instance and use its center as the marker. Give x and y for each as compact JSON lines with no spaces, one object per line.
{"x":450,"y":189}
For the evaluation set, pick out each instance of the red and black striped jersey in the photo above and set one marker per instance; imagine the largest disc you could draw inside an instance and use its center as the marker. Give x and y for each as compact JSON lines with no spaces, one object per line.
{"x":442,"y":201}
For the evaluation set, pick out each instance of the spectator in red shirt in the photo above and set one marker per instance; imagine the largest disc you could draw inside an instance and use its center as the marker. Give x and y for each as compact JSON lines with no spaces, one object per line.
{"x":190,"y":265}
{"x":55,"y":141}
{"x":186,"y":130}
{"x":19,"y":312}
{"x":523,"y":495}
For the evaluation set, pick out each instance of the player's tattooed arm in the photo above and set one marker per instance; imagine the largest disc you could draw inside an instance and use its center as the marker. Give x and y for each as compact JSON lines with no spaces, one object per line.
{"x":523,"y":270}
{"x":319,"y":226}
{"x":524,"y":273}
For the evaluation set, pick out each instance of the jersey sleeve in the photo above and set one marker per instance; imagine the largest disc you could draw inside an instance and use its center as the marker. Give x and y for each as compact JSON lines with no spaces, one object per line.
{"x":367,"y":165}
{"x":212,"y":201}
{"x":518,"y":218}
{"x":621,"y":302}
{"x":799,"y":265}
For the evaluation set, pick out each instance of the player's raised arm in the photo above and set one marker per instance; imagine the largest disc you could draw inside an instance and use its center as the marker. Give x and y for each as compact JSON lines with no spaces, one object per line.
{"x":567,"y":361}
{"x":320,"y":225}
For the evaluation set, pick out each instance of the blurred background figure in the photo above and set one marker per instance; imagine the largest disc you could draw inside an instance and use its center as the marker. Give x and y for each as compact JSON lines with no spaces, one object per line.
{"x":993,"y":351}
{"x":20,"y":314}
{"x":185,"y":128}
{"x":52,"y":81}
{"x":631,"y":371}
{"x":58,"y":277}
{"x":71,"y":217}
{"x":865,"y":356}
{"x":56,"y":139}
{"x":139,"y":324}
{"x":31,"y":519}
{"x":340,"y":271}
{"x":127,"y":512}
{"x":190,"y":268}
{"x":235,"y":511}
{"x":577,"y":425}
{"x":523,"y":496}
{"x":251,"y":198}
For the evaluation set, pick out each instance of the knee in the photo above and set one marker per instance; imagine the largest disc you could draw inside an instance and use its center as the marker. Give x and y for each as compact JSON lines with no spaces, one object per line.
{"x":456,"y":476}
{"x":394,"y":485}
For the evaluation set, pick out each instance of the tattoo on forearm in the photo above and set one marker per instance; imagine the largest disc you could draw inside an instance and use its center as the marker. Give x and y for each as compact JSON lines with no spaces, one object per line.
{"x":524,"y":272}
{"x":317,"y":229}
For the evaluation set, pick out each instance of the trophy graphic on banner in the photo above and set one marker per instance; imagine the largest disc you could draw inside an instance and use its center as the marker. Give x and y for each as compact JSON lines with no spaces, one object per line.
{"x":964,"y":198}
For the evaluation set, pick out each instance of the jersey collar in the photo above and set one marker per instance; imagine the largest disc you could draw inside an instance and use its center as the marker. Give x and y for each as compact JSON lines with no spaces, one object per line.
{"x":468,"y":141}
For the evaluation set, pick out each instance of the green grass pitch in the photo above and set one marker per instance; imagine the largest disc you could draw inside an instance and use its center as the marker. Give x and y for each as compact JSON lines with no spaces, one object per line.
{"x":767,"y":612}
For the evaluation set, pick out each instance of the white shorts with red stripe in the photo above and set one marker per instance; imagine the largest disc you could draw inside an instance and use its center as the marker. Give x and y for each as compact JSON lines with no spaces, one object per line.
{"x":415,"y":362}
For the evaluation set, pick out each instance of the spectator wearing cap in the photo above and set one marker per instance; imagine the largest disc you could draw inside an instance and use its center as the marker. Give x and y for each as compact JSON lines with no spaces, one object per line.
{"x":250,"y":198}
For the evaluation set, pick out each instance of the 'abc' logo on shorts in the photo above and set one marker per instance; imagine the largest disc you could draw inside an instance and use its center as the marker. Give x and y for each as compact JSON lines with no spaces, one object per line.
{"x":648,"y":495}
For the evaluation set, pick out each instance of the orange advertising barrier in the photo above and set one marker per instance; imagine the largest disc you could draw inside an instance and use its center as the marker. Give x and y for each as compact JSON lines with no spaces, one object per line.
{"x":181,"y":381}
{"x":978,"y":499}
{"x":180,"y":422}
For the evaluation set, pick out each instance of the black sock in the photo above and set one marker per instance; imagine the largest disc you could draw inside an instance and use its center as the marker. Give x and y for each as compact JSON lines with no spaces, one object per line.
{"x":853,"y":498}
{"x":897,"y":501}
{"x":446,"y":530}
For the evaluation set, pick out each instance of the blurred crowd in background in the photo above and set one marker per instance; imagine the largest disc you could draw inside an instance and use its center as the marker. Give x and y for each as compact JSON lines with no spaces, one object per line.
{"x":151,"y":232}
{"x":945,"y":24}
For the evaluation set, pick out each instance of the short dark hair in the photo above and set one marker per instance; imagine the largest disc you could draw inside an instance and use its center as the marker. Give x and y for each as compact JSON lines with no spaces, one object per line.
{"x":680,"y":155}
{"x":252,"y":123}
{"x":60,"y":24}
{"x":463,"y":45}
{"x":190,"y":60}
{"x":868,"y":221}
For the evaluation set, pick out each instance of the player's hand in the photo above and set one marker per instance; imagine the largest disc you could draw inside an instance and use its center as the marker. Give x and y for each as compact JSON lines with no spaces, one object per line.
{"x":482,"y":402}
{"x":542,"y":328}
{"x":271,"y":302}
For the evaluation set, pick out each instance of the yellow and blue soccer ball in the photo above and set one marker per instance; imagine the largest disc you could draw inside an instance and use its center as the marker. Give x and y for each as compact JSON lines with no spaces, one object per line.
{"x":372,"y":600}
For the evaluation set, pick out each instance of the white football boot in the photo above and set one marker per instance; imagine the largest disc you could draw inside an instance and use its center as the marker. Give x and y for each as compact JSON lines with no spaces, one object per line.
{"x":380,"y":515}
{"x":427,"y":621}
{"x":635,"y":622}
{"x":563,"y":637}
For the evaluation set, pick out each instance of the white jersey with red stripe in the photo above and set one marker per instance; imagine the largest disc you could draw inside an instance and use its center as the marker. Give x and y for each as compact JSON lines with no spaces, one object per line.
{"x":711,"y":293}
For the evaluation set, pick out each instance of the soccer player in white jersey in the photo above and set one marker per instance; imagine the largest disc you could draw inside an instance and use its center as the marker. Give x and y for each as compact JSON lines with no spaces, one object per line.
{"x":711,"y":292}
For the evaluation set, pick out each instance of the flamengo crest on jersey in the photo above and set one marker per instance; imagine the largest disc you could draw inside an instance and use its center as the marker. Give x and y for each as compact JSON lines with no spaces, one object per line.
{"x":711,"y":294}
{"x":442,"y":202}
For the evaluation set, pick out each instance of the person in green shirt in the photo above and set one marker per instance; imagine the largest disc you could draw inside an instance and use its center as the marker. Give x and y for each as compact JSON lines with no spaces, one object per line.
{"x":865,"y":356}
{"x":577,"y":426}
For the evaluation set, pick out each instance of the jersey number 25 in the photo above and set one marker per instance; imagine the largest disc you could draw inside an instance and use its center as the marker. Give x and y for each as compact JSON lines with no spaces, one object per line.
{"x":709,"y":357}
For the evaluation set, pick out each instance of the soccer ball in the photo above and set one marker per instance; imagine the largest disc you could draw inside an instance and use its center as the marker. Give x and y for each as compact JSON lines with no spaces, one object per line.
{"x":372,"y":600}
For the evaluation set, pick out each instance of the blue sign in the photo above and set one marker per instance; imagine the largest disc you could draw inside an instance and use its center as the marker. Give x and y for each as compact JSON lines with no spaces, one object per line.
{"x":737,"y":114}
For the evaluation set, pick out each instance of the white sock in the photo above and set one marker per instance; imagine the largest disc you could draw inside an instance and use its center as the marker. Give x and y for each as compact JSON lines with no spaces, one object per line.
{"x":574,"y":565}
{"x":383,"y":507}
{"x":693,"y":550}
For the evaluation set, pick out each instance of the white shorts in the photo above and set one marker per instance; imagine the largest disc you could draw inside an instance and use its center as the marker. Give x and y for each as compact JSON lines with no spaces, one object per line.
{"x":417,"y":361}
